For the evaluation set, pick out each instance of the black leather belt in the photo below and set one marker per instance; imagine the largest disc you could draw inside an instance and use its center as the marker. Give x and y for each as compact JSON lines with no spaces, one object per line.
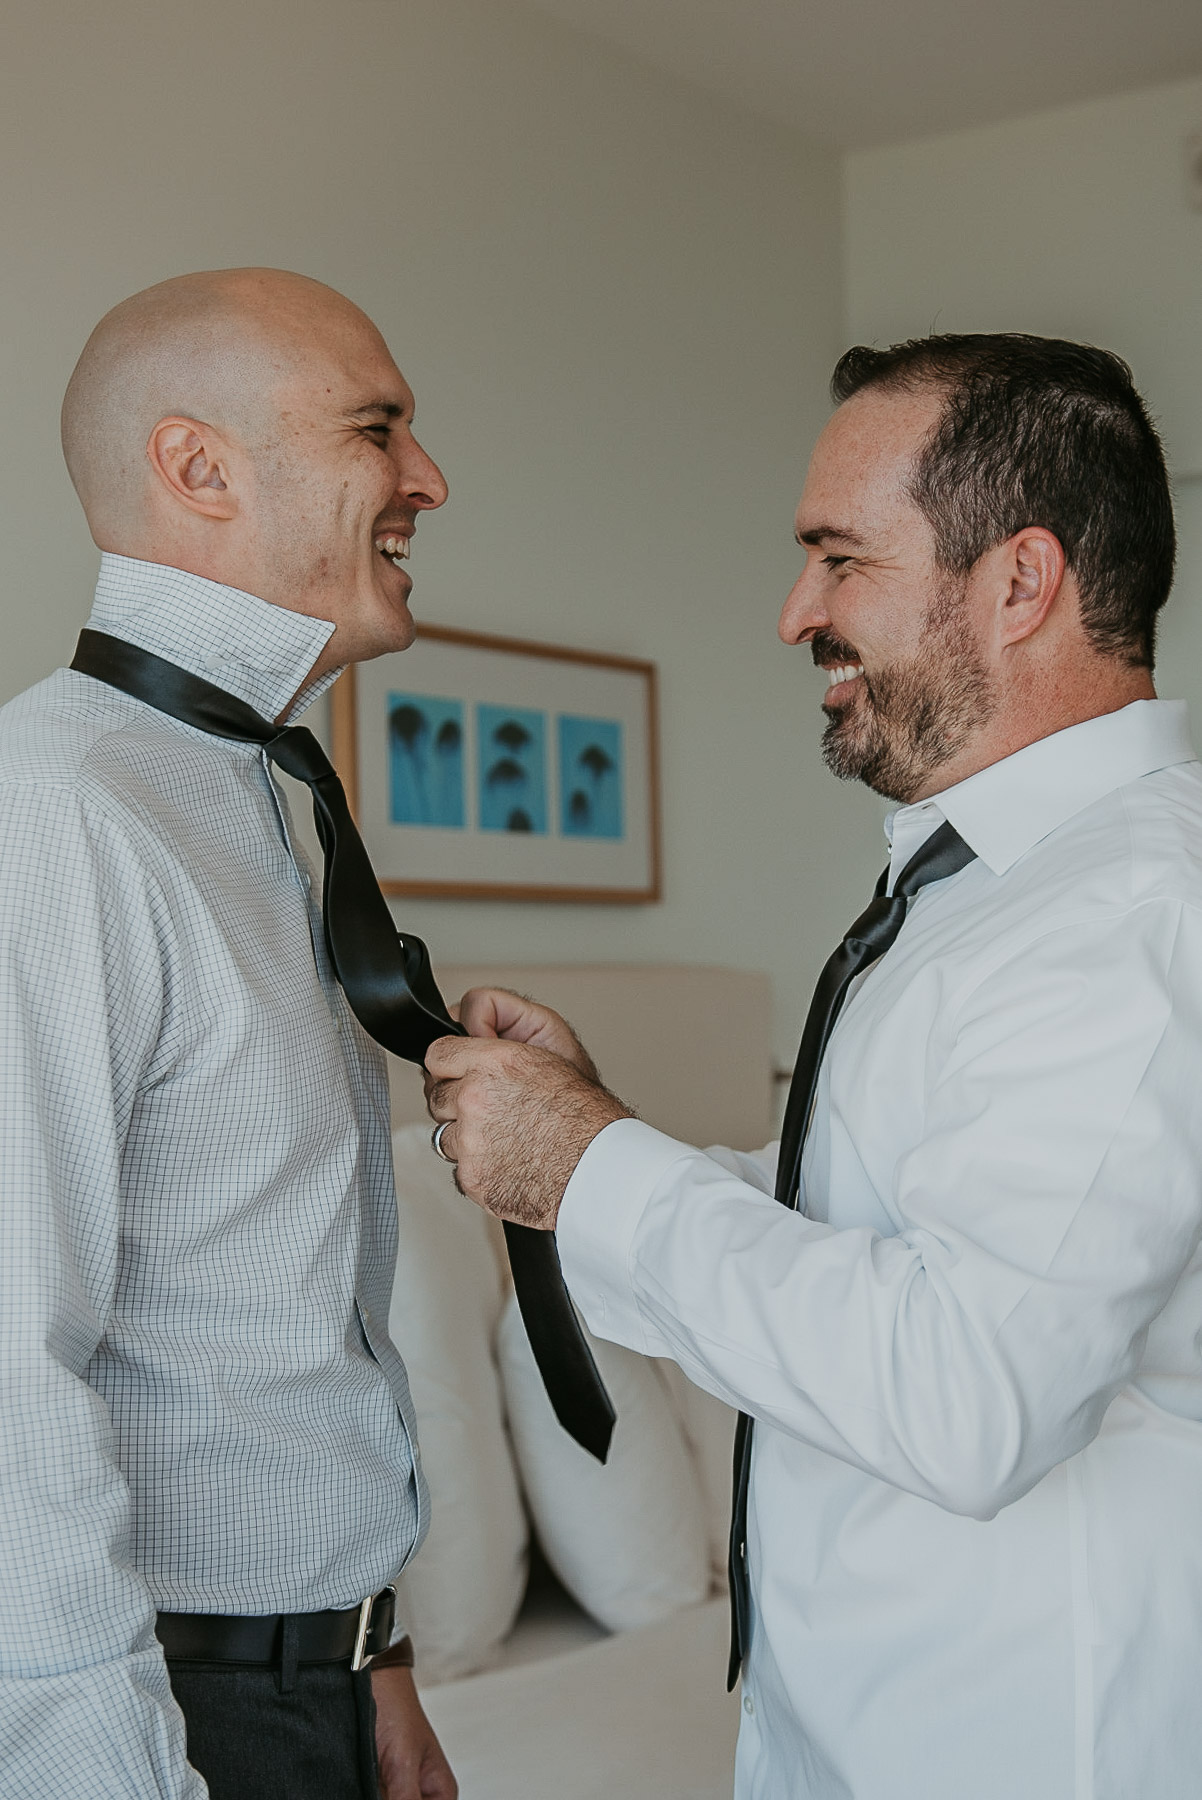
{"x":358,"y":1634}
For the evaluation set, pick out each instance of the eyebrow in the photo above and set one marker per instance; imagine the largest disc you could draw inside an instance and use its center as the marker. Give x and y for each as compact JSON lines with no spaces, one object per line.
{"x":390,"y":409}
{"x":829,"y":534}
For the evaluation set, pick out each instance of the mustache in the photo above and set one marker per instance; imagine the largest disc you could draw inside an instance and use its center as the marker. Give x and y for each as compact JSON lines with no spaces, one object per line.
{"x":827,"y":648}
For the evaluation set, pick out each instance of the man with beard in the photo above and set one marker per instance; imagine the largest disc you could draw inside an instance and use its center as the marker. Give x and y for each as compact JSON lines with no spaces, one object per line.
{"x":965,"y":1555}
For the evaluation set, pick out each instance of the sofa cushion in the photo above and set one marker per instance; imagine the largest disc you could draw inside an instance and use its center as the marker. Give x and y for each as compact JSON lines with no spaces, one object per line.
{"x":629,"y":1541}
{"x":461,"y":1594}
{"x":709,"y":1430}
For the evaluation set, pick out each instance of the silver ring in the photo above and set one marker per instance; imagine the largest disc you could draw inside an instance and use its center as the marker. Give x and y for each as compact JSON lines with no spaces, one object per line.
{"x":436,"y":1140}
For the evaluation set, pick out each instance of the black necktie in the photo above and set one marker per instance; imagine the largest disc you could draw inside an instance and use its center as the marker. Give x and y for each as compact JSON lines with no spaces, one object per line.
{"x":387,"y":982}
{"x":943,"y":854}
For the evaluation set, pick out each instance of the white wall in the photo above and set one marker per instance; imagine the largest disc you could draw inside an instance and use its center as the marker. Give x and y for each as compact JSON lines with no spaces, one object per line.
{"x":618,"y":305}
{"x":1072,"y":223}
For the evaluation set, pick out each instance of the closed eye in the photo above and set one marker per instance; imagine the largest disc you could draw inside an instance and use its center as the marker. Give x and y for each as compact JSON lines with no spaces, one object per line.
{"x":835,"y":562}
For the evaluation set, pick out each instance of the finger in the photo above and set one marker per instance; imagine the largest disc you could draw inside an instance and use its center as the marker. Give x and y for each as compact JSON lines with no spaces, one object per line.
{"x":400,"y":1775}
{"x":442,"y":1141}
{"x":438,"y":1783}
{"x":499,"y":1012}
{"x":448,"y":1057}
{"x":478,"y":1012}
{"x":451,"y":1058}
{"x":407,"y":1782}
{"x":440,"y":1099}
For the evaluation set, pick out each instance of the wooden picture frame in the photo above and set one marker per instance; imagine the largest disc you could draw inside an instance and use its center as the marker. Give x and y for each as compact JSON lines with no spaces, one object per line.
{"x":496,"y":768}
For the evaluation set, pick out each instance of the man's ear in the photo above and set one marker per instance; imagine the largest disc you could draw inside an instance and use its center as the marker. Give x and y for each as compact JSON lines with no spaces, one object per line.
{"x":192,"y":461}
{"x":1029,"y":569}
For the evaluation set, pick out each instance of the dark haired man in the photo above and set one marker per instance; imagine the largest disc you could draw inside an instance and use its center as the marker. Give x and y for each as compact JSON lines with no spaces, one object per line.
{"x":968,"y":1339}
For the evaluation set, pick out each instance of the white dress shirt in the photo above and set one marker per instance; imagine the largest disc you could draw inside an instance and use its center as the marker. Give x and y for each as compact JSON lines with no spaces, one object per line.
{"x":975,"y":1524}
{"x":202,"y":1411}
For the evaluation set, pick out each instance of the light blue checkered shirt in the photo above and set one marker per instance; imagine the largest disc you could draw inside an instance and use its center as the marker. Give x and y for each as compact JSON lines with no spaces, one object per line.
{"x":202,"y":1410}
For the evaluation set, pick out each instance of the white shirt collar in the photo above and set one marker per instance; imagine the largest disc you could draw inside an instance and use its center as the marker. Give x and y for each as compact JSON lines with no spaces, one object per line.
{"x":259,"y":652}
{"x":1005,"y":810}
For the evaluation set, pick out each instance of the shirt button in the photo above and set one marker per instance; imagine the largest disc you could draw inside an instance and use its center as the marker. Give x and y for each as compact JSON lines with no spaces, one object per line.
{"x":749,"y":1706}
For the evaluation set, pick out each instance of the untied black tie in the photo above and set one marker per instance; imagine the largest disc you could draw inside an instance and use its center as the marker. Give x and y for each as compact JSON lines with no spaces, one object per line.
{"x":388,"y":983}
{"x":943,"y":854}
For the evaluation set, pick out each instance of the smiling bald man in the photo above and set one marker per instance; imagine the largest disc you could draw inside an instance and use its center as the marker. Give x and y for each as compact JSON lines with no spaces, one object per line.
{"x":208,"y":1433}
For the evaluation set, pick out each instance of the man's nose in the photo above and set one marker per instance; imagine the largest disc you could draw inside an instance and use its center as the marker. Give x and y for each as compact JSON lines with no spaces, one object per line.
{"x":422,"y":481}
{"x":803,"y":612}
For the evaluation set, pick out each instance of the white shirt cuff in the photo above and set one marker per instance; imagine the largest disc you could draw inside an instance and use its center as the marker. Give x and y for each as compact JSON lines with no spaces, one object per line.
{"x":599,"y":1219}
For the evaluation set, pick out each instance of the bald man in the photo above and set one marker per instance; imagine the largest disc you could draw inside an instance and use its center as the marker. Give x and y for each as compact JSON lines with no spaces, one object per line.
{"x":208,"y":1438}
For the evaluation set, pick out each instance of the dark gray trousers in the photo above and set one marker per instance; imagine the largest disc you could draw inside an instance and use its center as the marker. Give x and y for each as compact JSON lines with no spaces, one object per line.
{"x":255,"y":1738}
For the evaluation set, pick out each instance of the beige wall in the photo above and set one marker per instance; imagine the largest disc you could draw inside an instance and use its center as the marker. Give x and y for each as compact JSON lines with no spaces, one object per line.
{"x":1072,"y":223}
{"x":617,"y":303}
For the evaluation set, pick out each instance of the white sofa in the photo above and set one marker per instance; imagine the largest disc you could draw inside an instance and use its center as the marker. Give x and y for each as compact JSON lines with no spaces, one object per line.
{"x":604,"y":1674}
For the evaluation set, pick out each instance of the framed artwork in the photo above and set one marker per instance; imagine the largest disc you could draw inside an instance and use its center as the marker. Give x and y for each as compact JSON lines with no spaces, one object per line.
{"x":496,"y":769}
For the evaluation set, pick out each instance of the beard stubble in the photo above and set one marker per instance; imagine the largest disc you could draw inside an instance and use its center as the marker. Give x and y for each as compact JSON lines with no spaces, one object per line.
{"x":912,"y":717}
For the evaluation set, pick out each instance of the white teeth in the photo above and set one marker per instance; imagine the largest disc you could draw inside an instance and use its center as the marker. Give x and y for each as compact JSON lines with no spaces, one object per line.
{"x":395,"y":547}
{"x":845,"y":672}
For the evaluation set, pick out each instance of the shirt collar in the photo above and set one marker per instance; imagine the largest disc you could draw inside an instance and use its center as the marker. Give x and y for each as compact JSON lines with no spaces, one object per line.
{"x":259,"y":652}
{"x":1005,"y":810}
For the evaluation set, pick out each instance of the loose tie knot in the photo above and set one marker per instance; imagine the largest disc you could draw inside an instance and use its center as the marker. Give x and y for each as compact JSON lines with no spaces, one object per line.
{"x":299,"y":754}
{"x":879,"y":923}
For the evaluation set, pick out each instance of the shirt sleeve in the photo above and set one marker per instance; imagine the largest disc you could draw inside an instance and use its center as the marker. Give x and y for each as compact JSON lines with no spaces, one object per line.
{"x":85,"y":1702}
{"x":1049,"y":1206}
{"x":755,"y":1167}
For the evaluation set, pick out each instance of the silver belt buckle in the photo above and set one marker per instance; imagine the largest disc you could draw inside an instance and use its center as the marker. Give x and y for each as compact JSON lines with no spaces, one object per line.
{"x":358,"y":1660}
{"x":367,"y":1607}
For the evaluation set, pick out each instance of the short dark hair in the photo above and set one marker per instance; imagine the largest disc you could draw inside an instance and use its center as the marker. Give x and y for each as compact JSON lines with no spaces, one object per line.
{"x":1039,"y":431}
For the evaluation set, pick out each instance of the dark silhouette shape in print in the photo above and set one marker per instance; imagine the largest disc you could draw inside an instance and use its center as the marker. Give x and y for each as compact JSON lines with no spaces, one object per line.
{"x":409,"y":727}
{"x":505,"y":772}
{"x":597,"y":761}
{"x":449,"y":736}
{"x":512,"y":775}
{"x":513,"y":735}
{"x":448,"y":742}
{"x":590,"y":752}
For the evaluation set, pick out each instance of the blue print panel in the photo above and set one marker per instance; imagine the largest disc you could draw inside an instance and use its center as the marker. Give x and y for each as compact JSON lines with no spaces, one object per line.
{"x":590,"y":777}
{"x":425,"y":761}
{"x":513,"y":769}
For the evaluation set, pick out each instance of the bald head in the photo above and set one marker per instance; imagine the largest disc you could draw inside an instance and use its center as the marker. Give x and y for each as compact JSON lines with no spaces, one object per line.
{"x":251,"y":426}
{"x":214,"y":347}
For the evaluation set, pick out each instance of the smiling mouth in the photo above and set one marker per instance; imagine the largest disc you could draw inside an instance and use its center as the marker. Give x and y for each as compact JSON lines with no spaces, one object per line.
{"x":841,"y":676}
{"x":394,"y":547}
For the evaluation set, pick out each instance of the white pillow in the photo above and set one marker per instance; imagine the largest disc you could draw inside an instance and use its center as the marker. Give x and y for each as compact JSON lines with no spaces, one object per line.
{"x":709,"y":1430}
{"x":461,"y":1594}
{"x":628,"y":1540}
